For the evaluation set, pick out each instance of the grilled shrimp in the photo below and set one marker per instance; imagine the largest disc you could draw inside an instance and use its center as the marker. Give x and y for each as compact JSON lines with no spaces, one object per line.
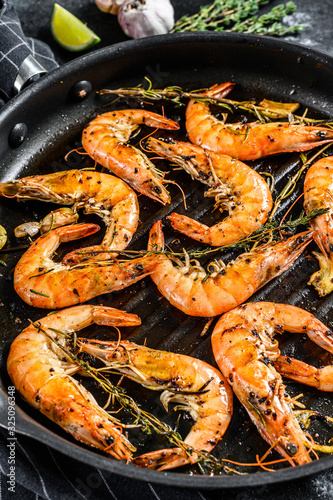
{"x":102,"y":194}
{"x":318,"y":193}
{"x":250,"y":360}
{"x":41,"y":282}
{"x":105,"y":138}
{"x":248,"y":141}
{"x":235,"y":186}
{"x":198,"y":387}
{"x":41,"y":371}
{"x":190,"y":290}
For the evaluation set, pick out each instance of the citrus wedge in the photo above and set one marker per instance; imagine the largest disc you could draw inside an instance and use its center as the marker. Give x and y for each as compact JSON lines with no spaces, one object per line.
{"x":71,"y":33}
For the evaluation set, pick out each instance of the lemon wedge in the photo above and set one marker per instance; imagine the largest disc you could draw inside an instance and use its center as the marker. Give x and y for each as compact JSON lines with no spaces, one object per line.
{"x":71,"y":33}
{"x":3,"y":236}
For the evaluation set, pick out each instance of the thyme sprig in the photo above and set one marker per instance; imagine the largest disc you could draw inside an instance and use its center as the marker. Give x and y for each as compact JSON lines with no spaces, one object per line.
{"x":149,"y":423}
{"x":173,"y":94}
{"x":292,"y":182}
{"x":268,"y":231}
{"x":146,"y":421}
{"x":265,"y":110}
{"x":239,"y":16}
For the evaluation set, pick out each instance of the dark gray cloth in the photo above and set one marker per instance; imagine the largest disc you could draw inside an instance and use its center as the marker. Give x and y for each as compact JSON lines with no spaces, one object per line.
{"x":15,"y":47}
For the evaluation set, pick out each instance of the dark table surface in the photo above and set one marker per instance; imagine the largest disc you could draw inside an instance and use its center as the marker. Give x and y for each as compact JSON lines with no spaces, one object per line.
{"x":45,"y":473}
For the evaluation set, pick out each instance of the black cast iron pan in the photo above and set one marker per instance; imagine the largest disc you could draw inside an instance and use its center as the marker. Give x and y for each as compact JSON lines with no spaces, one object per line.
{"x":42,"y":124}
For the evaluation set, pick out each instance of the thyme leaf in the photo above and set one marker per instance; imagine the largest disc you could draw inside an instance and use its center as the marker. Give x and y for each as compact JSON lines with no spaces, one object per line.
{"x":257,"y":411}
{"x":39,"y":293}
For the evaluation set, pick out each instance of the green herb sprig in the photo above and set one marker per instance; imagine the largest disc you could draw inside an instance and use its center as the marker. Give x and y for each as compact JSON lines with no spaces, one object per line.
{"x":240,"y":16}
{"x":268,"y":231}
{"x":263,"y":111}
{"x":147,"y":422}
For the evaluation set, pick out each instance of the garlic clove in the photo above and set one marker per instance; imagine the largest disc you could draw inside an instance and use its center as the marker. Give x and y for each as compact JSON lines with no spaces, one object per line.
{"x":26,"y":229}
{"x":61,"y":217}
{"x":109,"y":6}
{"x":141,"y":18}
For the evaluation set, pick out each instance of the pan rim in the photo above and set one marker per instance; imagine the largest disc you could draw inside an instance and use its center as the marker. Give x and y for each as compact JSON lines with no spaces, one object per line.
{"x":57,"y":442}
{"x":123,"y":48}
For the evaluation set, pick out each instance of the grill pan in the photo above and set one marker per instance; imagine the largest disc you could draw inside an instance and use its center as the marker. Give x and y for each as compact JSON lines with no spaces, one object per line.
{"x":42,"y":124}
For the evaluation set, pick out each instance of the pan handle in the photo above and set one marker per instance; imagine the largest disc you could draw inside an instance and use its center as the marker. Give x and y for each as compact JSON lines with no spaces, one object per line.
{"x":30,"y":71}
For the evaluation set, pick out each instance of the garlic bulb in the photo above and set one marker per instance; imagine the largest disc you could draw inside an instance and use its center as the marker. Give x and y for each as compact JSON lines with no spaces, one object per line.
{"x":109,"y":6}
{"x":140,"y":18}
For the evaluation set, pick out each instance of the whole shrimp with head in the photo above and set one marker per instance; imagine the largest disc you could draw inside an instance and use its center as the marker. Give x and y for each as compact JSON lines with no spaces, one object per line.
{"x":250,"y":360}
{"x":318,"y":193}
{"x":235,"y":186}
{"x":102,"y":194}
{"x":41,"y":369}
{"x":248,"y":141}
{"x":198,"y":387}
{"x":105,"y":140}
{"x":41,"y":282}
{"x":189,"y":288}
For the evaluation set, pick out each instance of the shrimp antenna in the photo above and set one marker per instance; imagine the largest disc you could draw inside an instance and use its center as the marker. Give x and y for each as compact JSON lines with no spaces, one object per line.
{"x":181,"y":190}
{"x":74,"y":150}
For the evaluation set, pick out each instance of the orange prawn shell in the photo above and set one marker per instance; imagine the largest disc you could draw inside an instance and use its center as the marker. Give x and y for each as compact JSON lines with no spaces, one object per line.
{"x":40,"y":371}
{"x":252,"y":140}
{"x":318,"y":194}
{"x":244,"y":349}
{"x":184,"y":380}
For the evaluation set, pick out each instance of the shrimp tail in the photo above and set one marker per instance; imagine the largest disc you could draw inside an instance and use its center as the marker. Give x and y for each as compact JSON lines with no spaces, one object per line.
{"x":220,"y":90}
{"x":168,"y":458}
{"x":156,"y":237}
{"x":301,"y":372}
{"x":190,"y":227}
{"x":75,"y":232}
{"x":109,"y":316}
